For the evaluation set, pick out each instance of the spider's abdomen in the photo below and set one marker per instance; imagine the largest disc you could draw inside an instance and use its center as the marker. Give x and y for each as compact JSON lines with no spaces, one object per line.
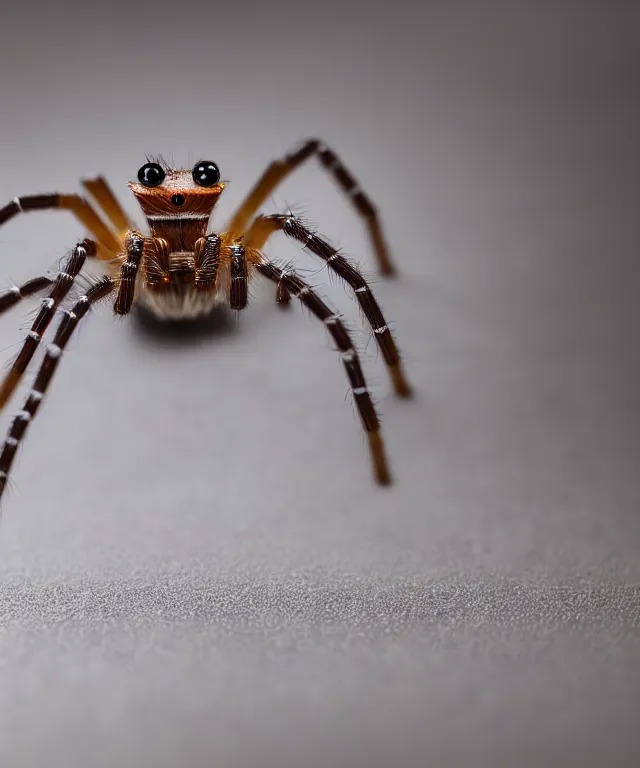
{"x":179,"y":301}
{"x":183,"y":284}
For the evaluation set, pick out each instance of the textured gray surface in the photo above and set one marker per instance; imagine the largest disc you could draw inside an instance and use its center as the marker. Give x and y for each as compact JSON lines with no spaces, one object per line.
{"x":196,"y":568}
{"x":322,"y":671}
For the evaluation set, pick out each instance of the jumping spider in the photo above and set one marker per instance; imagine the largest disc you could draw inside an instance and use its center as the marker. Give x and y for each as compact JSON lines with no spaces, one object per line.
{"x":179,"y":270}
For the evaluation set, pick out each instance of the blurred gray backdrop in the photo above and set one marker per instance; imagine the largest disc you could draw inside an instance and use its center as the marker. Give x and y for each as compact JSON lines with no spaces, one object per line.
{"x":196,"y":568}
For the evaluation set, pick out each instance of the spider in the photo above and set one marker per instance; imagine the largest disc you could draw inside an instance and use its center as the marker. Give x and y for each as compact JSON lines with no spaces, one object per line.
{"x":181,"y":270}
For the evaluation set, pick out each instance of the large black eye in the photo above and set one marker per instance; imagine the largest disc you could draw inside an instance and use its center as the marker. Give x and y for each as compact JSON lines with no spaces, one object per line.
{"x":151,"y":174}
{"x":206,"y":173}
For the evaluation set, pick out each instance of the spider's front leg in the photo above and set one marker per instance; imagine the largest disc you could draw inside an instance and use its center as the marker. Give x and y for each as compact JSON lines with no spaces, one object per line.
{"x":264,"y":226}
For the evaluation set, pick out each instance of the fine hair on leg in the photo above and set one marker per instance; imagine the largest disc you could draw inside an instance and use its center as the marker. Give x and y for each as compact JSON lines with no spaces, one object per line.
{"x":304,"y":292}
{"x":293,"y":227}
{"x":58,"y":291}
{"x":68,"y":324}
{"x":280,"y":169}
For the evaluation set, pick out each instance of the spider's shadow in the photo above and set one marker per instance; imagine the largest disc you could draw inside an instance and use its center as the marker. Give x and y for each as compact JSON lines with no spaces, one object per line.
{"x":217,"y":323}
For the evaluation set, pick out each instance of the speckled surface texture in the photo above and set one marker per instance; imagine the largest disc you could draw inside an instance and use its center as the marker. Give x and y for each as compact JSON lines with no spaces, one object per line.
{"x":195,"y":567}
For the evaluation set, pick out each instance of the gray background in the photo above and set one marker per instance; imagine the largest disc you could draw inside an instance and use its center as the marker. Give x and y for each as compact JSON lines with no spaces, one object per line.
{"x":196,"y":567}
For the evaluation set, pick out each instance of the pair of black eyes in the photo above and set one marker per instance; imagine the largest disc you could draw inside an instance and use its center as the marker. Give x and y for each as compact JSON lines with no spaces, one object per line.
{"x":205,"y":174}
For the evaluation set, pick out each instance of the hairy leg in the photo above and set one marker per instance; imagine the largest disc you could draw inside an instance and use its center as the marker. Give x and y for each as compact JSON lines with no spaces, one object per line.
{"x":265,"y":226}
{"x":332,"y":322}
{"x":59,"y":289}
{"x":280,"y":169}
{"x":42,"y":381}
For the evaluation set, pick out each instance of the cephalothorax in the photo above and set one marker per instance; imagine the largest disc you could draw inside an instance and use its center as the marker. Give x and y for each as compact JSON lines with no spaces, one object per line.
{"x":181,"y":269}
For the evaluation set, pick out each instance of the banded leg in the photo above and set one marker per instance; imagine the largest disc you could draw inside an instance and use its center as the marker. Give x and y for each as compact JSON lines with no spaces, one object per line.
{"x":239,"y":277}
{"x":59,"y":290}
{"x":302,"y":291}
{"x":10,"y":298}
{"x":264,"y":226}
{"x":102,"y":193}
{"x":67,"y":325}
{"x":109,"y":245}
{"x":128,"y":274}
{"x":280,"y":169}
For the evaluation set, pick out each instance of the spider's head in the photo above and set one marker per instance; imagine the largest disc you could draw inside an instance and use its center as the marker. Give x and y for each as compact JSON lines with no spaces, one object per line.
{"x":164,"y":192}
